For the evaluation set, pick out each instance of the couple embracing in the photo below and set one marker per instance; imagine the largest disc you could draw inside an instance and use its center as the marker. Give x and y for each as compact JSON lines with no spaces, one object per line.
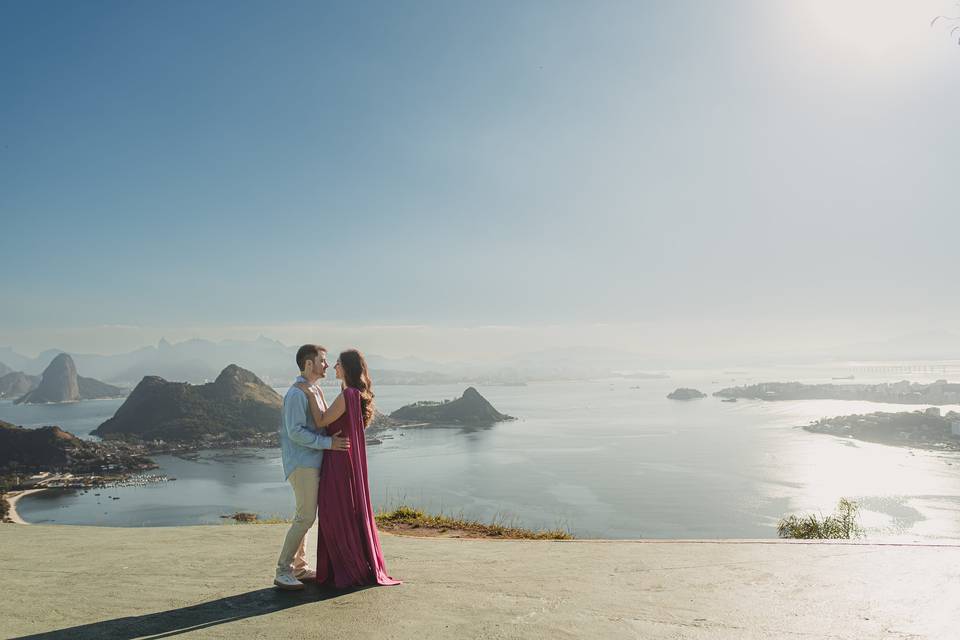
{"x":328,"y":474}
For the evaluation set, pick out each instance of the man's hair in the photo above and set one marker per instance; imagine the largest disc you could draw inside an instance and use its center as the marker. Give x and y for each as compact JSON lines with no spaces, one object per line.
{"x":308,"y":352}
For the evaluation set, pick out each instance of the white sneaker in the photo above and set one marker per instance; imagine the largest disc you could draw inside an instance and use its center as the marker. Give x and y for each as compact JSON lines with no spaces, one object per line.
{"x":307,"y":574}
{"x":287,"y":582}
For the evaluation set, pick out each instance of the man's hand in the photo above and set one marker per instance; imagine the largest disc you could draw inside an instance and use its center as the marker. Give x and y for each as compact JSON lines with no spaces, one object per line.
{"x":340,"y":443}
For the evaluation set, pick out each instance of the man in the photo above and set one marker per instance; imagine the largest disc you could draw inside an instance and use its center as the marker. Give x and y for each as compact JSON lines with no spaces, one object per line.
{"x":301,"y":447}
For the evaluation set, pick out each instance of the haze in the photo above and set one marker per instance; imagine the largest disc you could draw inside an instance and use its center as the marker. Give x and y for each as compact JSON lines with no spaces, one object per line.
{"x":465,"y":180}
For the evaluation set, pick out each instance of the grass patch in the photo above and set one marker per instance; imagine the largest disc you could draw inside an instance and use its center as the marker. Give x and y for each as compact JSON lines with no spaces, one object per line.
{"x":243,"y":517}
{"x":409,"y":519}
{"x":405,"y":519}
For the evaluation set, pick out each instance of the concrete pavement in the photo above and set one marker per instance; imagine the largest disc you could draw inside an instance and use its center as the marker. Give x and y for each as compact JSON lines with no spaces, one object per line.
{"x":64,"y":582}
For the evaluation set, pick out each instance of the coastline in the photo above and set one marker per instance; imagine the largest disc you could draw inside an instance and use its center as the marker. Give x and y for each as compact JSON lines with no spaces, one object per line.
{"x":13,"y":498}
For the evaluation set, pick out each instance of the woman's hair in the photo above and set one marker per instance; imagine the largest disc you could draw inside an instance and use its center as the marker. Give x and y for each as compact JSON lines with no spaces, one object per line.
{"x":356,"y":376}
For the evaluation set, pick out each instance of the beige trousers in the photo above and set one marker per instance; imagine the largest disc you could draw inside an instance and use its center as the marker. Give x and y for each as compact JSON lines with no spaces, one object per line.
{"x":305,"y":483}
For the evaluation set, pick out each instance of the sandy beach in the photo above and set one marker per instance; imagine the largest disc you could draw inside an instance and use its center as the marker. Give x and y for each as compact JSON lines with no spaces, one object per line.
{"x":13,"y":498}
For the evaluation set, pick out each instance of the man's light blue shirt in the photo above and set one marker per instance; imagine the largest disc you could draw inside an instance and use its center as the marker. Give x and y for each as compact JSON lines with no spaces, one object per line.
{"x":301,"y":443}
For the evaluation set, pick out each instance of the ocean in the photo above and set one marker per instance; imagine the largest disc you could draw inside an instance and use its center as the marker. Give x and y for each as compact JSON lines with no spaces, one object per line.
{"x":605,"y":459}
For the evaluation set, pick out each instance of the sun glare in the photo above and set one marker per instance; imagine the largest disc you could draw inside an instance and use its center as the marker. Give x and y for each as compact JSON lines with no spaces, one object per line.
{"x":866,"y":31}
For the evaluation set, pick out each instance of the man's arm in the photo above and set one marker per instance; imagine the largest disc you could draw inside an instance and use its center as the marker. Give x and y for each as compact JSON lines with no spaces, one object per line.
{"x":295,"y":422}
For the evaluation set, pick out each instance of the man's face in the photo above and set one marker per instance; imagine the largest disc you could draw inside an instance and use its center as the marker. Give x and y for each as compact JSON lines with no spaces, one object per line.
{"x":316,"y":368}
{"x":320,"y":365}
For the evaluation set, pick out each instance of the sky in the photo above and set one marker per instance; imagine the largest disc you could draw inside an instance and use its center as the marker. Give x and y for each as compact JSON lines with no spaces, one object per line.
{"x":434,"y":176}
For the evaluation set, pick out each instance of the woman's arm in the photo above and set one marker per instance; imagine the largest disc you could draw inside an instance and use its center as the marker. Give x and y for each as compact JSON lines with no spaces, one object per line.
{"x":324,"y":418}
{"x":315,"y":410}
{"x":328,"y":417}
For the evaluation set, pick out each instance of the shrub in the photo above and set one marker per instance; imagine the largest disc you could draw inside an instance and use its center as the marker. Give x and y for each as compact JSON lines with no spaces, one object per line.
{"x":842,"y":524}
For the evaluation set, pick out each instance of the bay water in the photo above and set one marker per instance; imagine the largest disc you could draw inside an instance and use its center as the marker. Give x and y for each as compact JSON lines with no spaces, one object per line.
{"x":605,"y":459}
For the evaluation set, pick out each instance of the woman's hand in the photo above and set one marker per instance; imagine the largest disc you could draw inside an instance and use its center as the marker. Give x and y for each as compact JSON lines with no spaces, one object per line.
{"x":313,"y":405}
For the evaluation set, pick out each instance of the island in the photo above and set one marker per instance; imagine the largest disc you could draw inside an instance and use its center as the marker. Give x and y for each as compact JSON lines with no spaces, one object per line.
{"x":471,"y":408}
{"x":917,"y":429}
{"x":683,"y":393}
{"x":903,"y":392}
{"x":60,"y":382}
{"x":237,"y":409}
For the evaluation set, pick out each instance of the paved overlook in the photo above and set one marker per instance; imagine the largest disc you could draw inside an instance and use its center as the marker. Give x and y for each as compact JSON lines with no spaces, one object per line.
{"x":72,"y":583}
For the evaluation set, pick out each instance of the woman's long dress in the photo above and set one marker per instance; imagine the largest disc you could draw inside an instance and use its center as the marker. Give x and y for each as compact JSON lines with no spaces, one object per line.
{"x":348,"y":547}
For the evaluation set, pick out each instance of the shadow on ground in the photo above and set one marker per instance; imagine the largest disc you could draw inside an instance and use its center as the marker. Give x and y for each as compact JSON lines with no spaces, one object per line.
{"x":193,"y":618}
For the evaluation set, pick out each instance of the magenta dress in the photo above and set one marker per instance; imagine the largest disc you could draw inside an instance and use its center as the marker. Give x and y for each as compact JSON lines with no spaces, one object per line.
{"x":348,"y":547}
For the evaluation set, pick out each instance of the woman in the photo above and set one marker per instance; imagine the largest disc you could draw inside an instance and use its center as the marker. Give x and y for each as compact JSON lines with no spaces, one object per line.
{"x":348,"y":547}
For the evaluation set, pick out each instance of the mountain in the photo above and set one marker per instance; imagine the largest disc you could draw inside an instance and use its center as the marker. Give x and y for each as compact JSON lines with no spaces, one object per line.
{"x":16,"y":384}
{"x":198,"y":361}
{"x":52,"y":448}
{"x":394,"y":376}
{"x":470,"y":408}
{"x":57,"y":384}
{"x":4,"y":369}
{"x":924,"y":345}
{"x":237,"y":404}
{"x":60,"y":383}
{"x":15,"y":361}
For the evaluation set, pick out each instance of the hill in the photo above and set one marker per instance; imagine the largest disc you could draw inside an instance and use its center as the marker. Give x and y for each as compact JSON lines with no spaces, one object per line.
{"x":237,"y":405}
{"x":53,"y":449}
{"x":470,"y":408}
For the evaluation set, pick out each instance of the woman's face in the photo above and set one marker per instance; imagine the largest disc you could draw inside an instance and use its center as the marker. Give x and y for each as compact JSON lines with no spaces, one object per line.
{"x":339,"y":369}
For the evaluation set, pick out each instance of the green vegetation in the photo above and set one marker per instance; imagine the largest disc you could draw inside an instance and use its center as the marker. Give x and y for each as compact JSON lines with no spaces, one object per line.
{"x":7,"y":483}
{"x":405,"y":518}
{"x":841,"y":525}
